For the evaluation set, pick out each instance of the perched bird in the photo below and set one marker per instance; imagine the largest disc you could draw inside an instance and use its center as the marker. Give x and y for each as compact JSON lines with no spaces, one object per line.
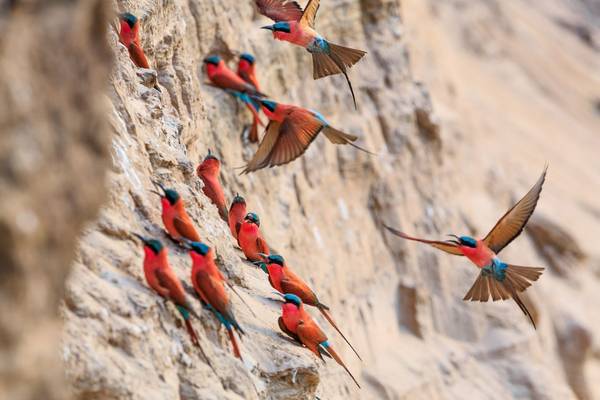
{"x":250,"y":238}
{"x":284,"y":280}
{"x":246,"y":71}
{"x":176,"y":220}
{"x":290,"y":131}
{"x":237,"y":212}
{"x":210,"y":286}
{"x":208,"y":171}
{"x":224,"y":78}
{"x":299,"y":325}
{"x":163,"y":280}
{"x":129,"y":36}
{"x":496,"y":279}
{"x":296,"y":26}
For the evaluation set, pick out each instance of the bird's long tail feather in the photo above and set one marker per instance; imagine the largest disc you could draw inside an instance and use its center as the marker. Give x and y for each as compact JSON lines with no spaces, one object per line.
{"x":516,"y":280}
{"x":337,"y":358}
{"x":241,"y":298}
{"x":338,"y":137}
{"x":336,"y":61}
{"x":234,"y":343}
{"x":328,"y":317}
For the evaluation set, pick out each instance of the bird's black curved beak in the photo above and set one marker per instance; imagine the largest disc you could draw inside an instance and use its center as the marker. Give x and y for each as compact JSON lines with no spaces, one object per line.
{"x":186,"y":243}
{"x":268,"y":27}
{"x":160,"y":186}
{"x":143,"y":239}
{"x":455,"y":241}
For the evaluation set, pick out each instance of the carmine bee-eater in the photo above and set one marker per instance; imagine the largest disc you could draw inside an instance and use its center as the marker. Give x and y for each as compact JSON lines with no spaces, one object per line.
{"x":284,"y":280}
{"x":290,"y":131}
{"x":299,"y":325}
{"x":129,"y":36}
{"x":163,"y":280}
{"x":496,"y":279}
{"x":210,"y":286}
{"x":237,"y":212}
{"x":224,"y":78}
{"x":298,"y":27}
{"x":250,"y":238}
{"x":208,"y":171}
{"x":176,"y":220}
{"x":246,"y":71}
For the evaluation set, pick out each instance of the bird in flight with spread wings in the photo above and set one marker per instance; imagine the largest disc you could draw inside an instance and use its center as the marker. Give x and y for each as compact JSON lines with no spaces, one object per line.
{"x":297,"y":26}
{"x":496,"y":279}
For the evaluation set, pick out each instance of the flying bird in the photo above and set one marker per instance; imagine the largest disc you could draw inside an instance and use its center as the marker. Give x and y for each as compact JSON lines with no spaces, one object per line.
{"x":297,"y":323}
{"x":208,"y":171}
{"x":129,"y":36}
{"x":209,"y":284}
{"x":176,"y":220}
{"x":284,"y":280}
{"x":161,"y":278}
{"x":250,"y":238}
{"x":221,"y":76}
{"x":290,"y":131}
{"x":246,"y":71}
{"x":237,"y":212}
{"x":297,"y":26}
{"x":496,"y":279}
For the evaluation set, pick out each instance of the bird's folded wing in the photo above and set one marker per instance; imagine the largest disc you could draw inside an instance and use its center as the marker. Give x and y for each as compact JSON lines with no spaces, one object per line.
{"x":170,"y":284}
{"x":310,"y":333}
{"x":444,"y":246}
{"x":262,"y":246}
{"x":299,"y":289}
{"x":213,"y":291}
{"x":285,"y":330}
{"x":261,"y":157}
{"x":186,"y":230}
{"x":512,"y":223}
{"x":280,"y":10}
{"x":309,"y":14}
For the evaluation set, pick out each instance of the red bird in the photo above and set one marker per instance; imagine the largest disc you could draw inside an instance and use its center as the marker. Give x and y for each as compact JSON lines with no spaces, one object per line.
{"x":290,"y":131}
{"x":299,"y":325}
{"x":176,"y":220}
{"x":163,"y":280}
{"x":250,"y":238}
{"x":284,"y":280}
{"x":130,"y":37}
{"x":496,"y":278}
{"x":237,"y":212}
{"x":224,"y":78}
{"x":209,"y":284}
{"x":247,"y":73}
{"x":208,"y":171}
{"x":246,"y":69}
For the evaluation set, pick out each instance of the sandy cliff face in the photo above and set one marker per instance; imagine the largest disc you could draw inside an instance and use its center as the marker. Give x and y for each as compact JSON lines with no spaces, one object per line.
{"x":399,"y":303}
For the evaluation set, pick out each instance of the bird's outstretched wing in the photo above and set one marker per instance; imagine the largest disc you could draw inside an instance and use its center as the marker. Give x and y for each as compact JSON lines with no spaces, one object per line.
{"x":512,"y":223}
{"x":445,"y":246}
{"x":294,"y":135}
{"x":261,"y":157}
{"x":309,"y":14}
{"x":279,"y":10}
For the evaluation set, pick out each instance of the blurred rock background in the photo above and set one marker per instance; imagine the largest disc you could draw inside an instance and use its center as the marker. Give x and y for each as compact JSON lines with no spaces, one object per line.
{"x":463,"y":101}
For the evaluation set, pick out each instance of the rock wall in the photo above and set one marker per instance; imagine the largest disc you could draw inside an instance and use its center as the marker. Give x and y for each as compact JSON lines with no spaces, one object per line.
{"x":52,"y":125}
{"x":399,"y":303}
